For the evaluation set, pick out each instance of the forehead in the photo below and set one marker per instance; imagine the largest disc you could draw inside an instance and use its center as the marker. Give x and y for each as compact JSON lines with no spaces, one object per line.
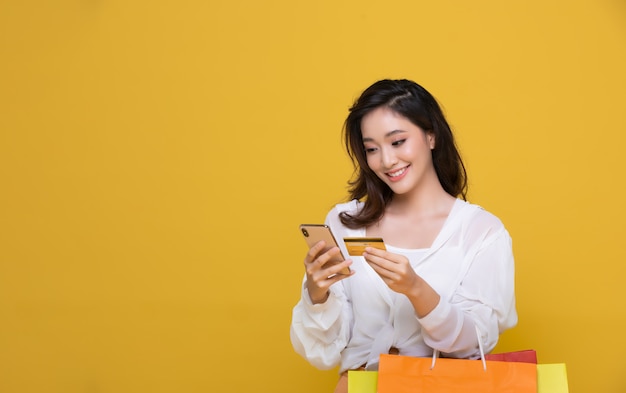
{"x":383,"y":121}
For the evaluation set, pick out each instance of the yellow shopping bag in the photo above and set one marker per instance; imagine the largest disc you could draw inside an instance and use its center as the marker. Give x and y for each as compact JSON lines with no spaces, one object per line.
{"x":362,"y":381}
{"x":552,"y":378}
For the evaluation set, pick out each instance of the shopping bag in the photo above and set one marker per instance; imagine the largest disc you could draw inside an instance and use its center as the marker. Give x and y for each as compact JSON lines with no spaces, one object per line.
{"x":362,"y":381}
{"x":525,"y":356}
{"x":405,"y":374}
{"x":552,"y":378}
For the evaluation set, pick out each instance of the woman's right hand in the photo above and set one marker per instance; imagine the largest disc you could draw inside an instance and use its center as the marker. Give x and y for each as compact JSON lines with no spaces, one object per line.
{"x":319,"y":276}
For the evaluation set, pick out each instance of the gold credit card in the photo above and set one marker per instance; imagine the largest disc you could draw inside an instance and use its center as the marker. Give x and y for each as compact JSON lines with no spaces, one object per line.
{"x":356,"y":245}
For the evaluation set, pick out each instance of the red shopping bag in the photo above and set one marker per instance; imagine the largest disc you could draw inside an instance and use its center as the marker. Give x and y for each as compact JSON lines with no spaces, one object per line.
{"x":405,"y":374}
{"x":526,"y":356}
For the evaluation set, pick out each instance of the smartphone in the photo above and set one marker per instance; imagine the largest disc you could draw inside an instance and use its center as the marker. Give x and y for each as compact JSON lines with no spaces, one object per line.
{"x":313,"y":233}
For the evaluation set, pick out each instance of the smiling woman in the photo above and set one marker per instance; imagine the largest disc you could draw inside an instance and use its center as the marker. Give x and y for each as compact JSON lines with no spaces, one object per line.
{"x":397,"y":149}
{"x":433,"y":287}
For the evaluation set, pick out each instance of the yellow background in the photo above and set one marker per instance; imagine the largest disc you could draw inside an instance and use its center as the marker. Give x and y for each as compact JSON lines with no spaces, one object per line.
{"x":157,"y":157}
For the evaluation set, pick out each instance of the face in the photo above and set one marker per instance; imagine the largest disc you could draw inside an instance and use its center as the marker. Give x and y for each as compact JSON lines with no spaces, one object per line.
{"x":398,"y":151}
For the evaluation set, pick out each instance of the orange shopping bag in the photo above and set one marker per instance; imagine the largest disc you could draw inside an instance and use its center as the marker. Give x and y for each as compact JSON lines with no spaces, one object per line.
{"x":405,"y":374}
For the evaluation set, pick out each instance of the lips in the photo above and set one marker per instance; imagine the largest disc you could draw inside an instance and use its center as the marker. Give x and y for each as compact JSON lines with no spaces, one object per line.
{"x":397,"y":174}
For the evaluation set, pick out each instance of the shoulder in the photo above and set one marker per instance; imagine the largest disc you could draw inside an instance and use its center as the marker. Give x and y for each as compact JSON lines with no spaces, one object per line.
{"x":477,"y":219}
{"x":332,"y":218}
{"x":349,"y":207}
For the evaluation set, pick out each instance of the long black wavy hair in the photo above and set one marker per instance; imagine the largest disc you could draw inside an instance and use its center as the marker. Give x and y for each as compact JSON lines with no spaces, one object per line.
{"x":415,"y":103}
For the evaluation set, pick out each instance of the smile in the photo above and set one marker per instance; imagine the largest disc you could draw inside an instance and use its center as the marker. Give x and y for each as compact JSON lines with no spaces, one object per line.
{"x":396,"y":175}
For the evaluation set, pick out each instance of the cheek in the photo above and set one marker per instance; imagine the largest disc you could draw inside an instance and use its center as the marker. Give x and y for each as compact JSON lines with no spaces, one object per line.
{"x":371,"y":161}
{"x":419,"y":151}
{"x":407,"y":152}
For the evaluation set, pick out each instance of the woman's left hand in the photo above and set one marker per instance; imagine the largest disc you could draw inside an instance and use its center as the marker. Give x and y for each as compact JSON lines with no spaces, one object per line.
{"x":394,"y":269}
{"x":398,"y":274}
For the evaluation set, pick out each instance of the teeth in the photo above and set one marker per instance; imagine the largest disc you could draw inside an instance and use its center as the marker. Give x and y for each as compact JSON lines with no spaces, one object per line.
{"x":397,"y":173}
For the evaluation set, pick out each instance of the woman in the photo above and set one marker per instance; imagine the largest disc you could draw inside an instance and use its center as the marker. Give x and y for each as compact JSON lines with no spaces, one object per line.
{"x":446,"y":279}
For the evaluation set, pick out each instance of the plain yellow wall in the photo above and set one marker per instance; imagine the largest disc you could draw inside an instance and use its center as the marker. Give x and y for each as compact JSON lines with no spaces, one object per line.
{"x":157,"y":157}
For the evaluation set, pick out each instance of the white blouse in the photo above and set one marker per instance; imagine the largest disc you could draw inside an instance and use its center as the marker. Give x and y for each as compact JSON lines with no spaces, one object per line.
{"x":470,"y":265}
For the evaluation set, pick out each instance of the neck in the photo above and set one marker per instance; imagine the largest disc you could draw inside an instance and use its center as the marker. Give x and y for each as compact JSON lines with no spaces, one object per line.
{"x":425,"y":200}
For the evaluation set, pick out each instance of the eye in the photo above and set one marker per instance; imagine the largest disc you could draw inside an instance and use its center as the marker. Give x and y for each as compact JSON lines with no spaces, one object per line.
{"x":398,"y":142}
{"x":369,"y":150}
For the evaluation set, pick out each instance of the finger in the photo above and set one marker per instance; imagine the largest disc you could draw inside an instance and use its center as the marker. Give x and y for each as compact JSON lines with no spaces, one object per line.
{"x":314,"y":251}
{"x":382,"y":272}
{"x":385,"y":269}
{"x":324,"y":278}
{"x":319,"y":263}
{"x":383,"y":254}
{"x":338,"y":268}
{"x":336,"y":272}
{"x":381,"y":262}
{"x":326,"y":265}
{"x":339,"y":277}
{"x":375,"y":251}
{"x":327,"y":256}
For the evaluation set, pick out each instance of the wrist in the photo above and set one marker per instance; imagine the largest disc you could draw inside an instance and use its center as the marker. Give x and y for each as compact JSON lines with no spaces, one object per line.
{"x":416,"y":290}
{"x":318,"y":297}
{"x":423,"y":298}
{"x":321,"y":299}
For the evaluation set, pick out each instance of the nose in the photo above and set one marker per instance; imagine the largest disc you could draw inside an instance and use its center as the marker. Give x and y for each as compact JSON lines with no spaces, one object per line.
{"x":388,"y":158}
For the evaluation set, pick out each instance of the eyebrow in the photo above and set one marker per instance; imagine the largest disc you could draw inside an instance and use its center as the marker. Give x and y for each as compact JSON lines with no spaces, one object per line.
{"x":387,"y":135}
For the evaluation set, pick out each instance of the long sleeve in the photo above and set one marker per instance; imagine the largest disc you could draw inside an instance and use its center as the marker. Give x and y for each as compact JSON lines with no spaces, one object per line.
{"x":471,"y":267}
{"x":319,"y":332}
{"x":484,"y":299}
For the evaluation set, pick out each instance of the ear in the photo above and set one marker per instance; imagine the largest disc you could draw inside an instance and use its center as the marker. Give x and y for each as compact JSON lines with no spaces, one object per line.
{"x":431,"y":140}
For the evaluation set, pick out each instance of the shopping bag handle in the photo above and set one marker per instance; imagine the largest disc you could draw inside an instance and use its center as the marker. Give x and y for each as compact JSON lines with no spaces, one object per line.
{"x":480,"y":348}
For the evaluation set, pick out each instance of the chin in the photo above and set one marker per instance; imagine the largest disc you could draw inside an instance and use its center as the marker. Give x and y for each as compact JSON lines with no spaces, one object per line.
{"x":400,"y":190}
